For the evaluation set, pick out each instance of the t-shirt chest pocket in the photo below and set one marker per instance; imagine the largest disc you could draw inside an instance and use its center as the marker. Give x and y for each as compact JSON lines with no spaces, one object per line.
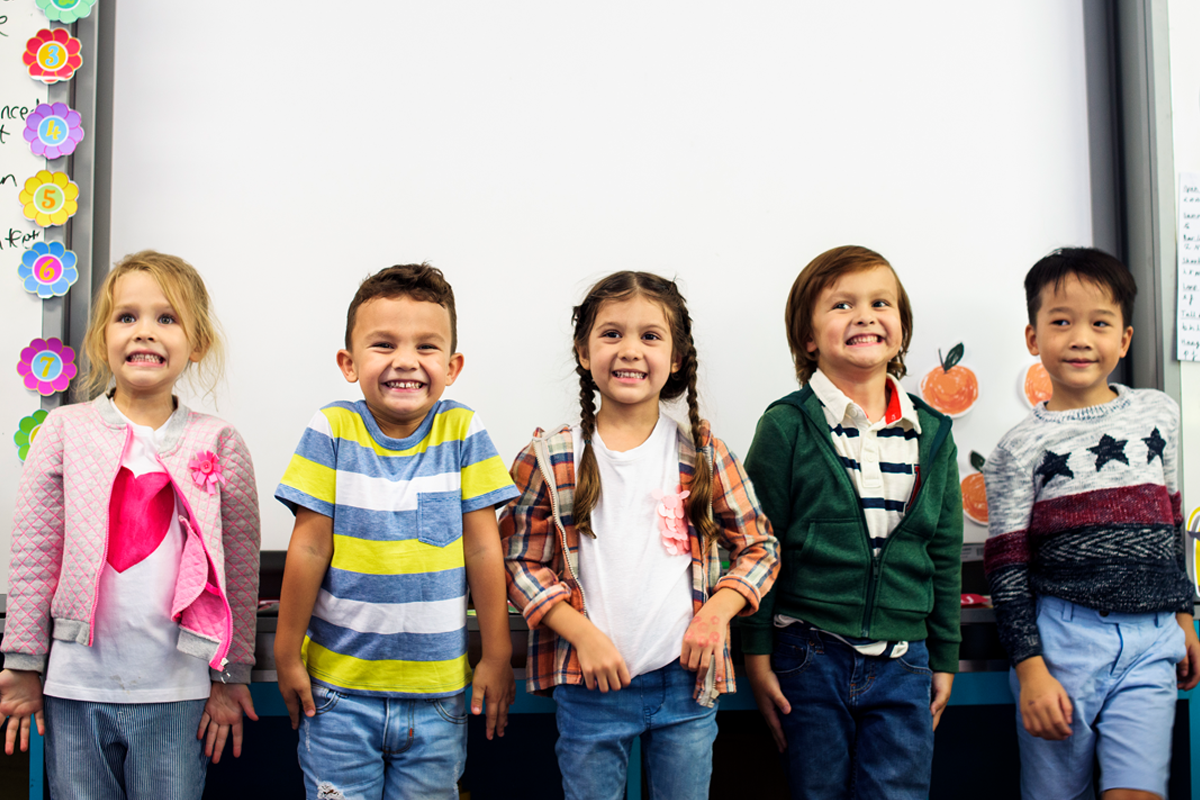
{"x":439,"y":518}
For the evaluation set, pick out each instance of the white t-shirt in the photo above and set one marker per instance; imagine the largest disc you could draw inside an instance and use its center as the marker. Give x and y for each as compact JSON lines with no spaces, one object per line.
{"x":133,"y":658}
{"x":637,"y":593}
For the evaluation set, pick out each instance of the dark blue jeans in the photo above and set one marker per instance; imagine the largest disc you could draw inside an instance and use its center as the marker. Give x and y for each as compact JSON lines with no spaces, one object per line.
{"x":860,"y":726}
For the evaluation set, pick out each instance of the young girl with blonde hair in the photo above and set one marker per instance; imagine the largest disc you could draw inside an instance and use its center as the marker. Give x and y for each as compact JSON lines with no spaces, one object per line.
{"x":612,"y":552}
{"x":135,"y":550}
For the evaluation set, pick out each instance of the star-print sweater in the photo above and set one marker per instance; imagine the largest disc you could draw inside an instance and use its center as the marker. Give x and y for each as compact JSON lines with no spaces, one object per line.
{"x":1084,"y":505}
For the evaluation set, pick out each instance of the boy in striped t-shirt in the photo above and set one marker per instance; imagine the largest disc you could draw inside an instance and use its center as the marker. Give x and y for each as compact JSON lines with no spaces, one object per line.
{"x":394,"y":498}
{"x":852,"y":653}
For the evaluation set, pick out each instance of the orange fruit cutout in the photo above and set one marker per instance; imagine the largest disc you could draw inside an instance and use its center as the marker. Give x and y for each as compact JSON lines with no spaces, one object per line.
{"x":950,"y":387}
{"x":974,"y":495}
{"x":1037,"y":384}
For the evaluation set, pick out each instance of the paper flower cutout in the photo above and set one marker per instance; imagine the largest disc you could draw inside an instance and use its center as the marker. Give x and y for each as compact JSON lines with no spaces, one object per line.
{"x":671,"y":521}
{"x":49,"y":198}
{"x":47,"y":365}
{"x":206,"y":471}
{"x":27,"y":431}
{"x":52,"y":55}
{"x":53,"y":130}
{"x":48,"y":269}
{"x":65,"y":11}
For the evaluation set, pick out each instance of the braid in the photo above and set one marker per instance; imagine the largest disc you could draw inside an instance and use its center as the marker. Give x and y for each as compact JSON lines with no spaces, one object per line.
{"x":587,"y":482}
{"x":700,"y":498}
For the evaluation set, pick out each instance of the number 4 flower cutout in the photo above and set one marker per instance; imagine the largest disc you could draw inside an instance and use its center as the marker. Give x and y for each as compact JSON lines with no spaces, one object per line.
{"x":47,"y":365}
{"x":52,"y":55}
{"x":53,"y":130}
{"x":49,"y":198}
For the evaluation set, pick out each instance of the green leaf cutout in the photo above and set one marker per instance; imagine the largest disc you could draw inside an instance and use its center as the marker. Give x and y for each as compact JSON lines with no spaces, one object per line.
{"x":977,"y":461}
{"x":953,"y":357}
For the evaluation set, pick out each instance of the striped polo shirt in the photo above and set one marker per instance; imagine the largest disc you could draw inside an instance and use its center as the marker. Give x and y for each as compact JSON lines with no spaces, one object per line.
{"x":390,"y":617}
{"x":881,"y":458}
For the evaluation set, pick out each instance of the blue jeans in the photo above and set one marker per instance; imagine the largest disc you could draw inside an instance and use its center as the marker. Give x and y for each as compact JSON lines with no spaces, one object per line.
{"x":124,"y":750}
{"x":860,"y":726}
{"x":1119,"y":671}
{"x":359,"y":747}
{"x":596,"y":732}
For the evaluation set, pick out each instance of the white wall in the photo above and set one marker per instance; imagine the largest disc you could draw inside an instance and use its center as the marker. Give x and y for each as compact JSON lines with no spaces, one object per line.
{"x":529,"y":148}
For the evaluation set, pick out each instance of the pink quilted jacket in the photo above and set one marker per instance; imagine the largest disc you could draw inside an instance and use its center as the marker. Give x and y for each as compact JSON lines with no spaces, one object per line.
{"x":60,"y":537}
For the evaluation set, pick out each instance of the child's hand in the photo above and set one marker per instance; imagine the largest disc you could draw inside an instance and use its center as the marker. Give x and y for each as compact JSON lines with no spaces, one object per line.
{"x":296,"y":688}
{"x":1188,"y":670}
{"x":20,"y":700}
{"x":942,"y":681}
{"x":601,"y":663}
{"x":768,"y":696}
{"x":222,"y":714}
{"x":494,"y":683}
{"x":1045,"y":706}
{"x":704,"y":640}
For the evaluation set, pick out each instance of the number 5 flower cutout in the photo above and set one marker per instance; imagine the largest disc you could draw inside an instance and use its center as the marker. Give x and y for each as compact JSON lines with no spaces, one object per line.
{"x":53,"y":130}
{"x":65,"y":11}
{"x":27,"y":431}
{"x":49,"y":198}
{"x":47,"y":366}
{"x":52,"y":55}
{"x":48,"y":269}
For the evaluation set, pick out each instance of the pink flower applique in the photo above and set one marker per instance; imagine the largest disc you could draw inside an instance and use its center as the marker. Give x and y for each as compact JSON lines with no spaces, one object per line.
{"x":672,"y":521}
{"x":206,"y":471}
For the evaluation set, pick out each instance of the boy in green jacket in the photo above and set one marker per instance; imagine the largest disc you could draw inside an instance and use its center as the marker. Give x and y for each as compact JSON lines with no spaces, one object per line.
{"x":852,"y":654}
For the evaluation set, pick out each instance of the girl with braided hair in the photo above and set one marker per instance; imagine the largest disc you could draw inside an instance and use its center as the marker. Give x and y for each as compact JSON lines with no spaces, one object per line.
{"x":612,"y":551}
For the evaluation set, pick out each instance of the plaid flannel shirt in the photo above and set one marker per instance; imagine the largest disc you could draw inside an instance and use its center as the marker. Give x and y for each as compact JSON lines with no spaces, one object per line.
{"x":538,"y":528}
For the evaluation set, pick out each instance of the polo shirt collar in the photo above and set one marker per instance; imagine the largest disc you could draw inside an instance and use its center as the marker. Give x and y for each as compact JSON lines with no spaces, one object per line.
{"x":900,"y":407}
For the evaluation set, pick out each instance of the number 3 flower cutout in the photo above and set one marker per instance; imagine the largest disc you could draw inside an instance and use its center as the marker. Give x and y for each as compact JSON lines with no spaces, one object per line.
{"x":47,"y":366}
{"x":53,"y":130}
{"x":52,"y":55}
{"x":49,"y":198}
{"x":65,"y":11}
{"x":48,"y":269}
{"x":27,"y":431}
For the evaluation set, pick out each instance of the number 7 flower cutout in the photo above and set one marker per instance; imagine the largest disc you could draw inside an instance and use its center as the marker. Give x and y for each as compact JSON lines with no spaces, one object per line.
{"x":47,"y":365}
{"x":52,"y":55}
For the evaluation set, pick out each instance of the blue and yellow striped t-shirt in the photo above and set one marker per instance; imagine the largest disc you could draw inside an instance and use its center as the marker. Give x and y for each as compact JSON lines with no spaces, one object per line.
{"x":390,"y":619}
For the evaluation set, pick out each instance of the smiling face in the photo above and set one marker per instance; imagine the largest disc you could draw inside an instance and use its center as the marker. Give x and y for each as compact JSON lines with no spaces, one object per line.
{"x":148,"y":348}
{"x":400,"y":357}
{"x":630,"y":354}
{"x":856,"y":326}
{"x":1080,"y":335}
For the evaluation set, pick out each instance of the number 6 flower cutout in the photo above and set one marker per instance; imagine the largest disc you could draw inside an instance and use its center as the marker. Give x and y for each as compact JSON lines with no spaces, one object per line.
{"x":27,"y":431}
{"x":48,"y":269}
{"x":53,"y":130}
{"x":49,"y":198}
{"x":65,"y":11}
{"x":52,"y":55}
{"x":47,"y":366}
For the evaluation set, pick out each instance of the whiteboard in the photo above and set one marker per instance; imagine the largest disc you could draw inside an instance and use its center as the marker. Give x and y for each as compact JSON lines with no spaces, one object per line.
{"x":20,"y":311}
{"x":529,"y":148}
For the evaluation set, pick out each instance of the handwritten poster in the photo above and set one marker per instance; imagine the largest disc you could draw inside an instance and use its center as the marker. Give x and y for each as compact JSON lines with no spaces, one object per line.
{"x":1188,"y":316}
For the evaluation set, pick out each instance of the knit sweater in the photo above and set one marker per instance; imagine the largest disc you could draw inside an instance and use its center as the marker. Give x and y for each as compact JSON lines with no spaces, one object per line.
{"x":1084,"y":505}
{"x":830,"y":578}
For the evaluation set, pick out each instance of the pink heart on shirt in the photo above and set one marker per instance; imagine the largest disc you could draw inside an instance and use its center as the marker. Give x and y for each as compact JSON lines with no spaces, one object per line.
{"x":139,"y":516}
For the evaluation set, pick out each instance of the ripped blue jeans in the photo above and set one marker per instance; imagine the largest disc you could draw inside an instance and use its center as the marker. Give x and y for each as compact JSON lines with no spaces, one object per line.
{"x":360,"y":748}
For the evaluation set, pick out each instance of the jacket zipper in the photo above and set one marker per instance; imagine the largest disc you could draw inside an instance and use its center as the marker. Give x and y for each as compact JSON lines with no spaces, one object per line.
{"x":227,"y":639}
{"x":107,"y":533}
{"x":876,"y":560}
{"x":543,"y":460}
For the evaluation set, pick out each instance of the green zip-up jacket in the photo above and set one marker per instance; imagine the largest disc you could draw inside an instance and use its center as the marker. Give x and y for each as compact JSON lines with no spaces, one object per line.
{"x":829,"y":578}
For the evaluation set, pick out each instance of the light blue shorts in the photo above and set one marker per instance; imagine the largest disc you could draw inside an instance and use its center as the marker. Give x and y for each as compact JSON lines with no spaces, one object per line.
{"x":1119,"y":671}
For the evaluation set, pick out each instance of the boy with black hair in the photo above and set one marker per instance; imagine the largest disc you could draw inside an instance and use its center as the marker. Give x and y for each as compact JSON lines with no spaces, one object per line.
{"x":1085,"y":554}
